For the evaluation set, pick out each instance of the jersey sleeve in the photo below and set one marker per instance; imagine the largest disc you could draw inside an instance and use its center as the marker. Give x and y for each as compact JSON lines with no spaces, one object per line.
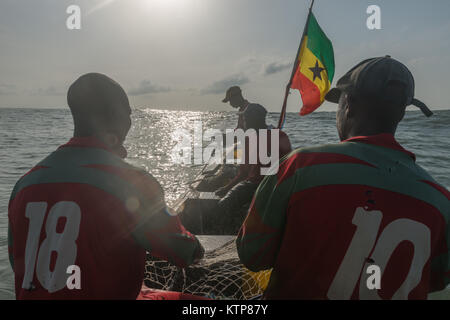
{"x":158,"y":230}
{"x":260,"y":237}
{"x":440,"y":265}
{"x":440,"y":273}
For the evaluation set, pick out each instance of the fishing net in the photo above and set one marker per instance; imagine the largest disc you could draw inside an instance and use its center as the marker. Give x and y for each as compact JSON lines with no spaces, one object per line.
{"x":220,"y":275}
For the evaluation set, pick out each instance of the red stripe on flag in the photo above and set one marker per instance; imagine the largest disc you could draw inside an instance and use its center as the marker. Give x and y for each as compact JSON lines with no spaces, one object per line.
{"x":309,"y":91}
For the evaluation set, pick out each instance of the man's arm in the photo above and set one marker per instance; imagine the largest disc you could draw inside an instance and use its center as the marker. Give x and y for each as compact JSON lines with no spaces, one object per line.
{"x":158,"y":230}
{"x":440,"y":267}
{"x":260,"y":236}
{"x":440,"y":273}
{"x":165,"y":237}
{"x":242,"y":174}
{"x":440,"y":264}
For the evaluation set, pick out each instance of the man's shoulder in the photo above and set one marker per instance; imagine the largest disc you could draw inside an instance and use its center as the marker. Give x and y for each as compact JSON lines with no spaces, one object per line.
{"x":303,"y":158}
{"x":439,"y":189}
{"x":354,"y":151}
{"x":322,"y":150}
{"x":86,"y":166}
{"x":407,"y":173}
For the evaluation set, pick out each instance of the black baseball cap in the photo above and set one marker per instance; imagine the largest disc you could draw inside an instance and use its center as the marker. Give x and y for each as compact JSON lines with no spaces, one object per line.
{"x":372,"y":78}
{"x":232,"y":92}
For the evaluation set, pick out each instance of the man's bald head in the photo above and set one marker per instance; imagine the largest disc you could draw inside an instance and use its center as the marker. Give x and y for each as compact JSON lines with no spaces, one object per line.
{"x":99,"y":105}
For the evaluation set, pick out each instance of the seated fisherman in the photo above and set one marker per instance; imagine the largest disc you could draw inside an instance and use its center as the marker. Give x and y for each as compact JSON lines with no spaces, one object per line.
{"x":236,"y":100}
{"x":241,"y":189}
{"x":85,"y":206}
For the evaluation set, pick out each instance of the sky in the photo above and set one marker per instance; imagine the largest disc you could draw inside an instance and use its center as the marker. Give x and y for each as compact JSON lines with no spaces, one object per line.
{"x":184,"y":54}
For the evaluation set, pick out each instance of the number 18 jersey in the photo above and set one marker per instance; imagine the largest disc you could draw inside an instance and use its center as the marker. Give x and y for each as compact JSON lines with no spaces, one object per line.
{"x":81,"y":221}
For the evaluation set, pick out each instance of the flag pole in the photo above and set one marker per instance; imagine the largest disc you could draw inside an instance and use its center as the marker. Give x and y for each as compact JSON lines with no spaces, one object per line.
{"x":296,"y":63}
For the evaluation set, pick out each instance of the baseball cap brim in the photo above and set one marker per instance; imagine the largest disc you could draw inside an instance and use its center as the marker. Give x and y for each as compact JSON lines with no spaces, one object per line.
{"x":226,"y":100}
{"x":333,"y":95}
{"x":419,"y":104}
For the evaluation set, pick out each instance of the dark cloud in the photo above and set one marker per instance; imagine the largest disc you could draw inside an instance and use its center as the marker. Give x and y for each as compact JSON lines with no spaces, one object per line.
{"x":221,"y":86}
{"x":276,"y":67}
{"x":146,"y":87}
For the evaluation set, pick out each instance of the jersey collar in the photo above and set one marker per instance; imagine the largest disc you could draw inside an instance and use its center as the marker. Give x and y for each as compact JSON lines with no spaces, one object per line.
{"x":386,"y":140}
{"x":90,"y":142}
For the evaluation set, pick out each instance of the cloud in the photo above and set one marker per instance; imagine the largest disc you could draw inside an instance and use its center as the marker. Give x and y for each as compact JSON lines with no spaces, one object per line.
{"x":49,"y":91}
{"x":221,"y":86}
{"x":6,"y":89}
{"x":146,"y":87}
{"x":276,"y":67}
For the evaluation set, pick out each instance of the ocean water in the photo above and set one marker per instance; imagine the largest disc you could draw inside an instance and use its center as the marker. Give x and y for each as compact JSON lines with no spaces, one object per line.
{"x":28,"y":135}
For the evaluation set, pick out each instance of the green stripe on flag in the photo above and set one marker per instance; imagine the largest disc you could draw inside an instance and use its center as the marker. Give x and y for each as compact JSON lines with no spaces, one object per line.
{"x":321,"y":46}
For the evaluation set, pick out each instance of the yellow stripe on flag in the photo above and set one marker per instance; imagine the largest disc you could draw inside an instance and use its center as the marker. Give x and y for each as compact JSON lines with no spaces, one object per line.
{"x":308,"y":60}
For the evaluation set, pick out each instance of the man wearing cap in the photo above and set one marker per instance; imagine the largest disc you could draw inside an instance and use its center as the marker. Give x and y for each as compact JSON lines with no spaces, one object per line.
{"x":354,"y":220}
{"x":240,"y":190}
{"x":237,"y":101}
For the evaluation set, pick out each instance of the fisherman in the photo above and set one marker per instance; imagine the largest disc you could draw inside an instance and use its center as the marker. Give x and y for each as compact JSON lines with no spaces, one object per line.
{"x":218,"y":177}
{"x":237,"y":101}
{"x":335,"y":214}
{"x":84,"y":208}
{"x":240,"y":190}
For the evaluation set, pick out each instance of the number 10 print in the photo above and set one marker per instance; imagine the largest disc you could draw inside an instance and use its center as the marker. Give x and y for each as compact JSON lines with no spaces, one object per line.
{"x":363,"y":242}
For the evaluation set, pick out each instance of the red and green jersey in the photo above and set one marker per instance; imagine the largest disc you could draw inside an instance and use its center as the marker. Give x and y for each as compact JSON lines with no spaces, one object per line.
{"x":333,"y":213}
{"x":84,"y":206}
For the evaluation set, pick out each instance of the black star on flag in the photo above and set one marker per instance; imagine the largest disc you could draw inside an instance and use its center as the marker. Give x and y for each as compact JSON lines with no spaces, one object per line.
{"x":316,"y":71}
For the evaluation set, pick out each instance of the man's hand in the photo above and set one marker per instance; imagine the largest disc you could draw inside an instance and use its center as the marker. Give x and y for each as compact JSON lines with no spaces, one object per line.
{"x":221,"y":192}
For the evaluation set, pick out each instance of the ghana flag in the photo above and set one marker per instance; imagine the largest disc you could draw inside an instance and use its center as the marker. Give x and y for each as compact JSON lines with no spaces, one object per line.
{"x":314,"y":69}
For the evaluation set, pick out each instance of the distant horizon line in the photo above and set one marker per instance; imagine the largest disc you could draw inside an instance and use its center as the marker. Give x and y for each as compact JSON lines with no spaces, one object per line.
{"x":174,"y":110}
